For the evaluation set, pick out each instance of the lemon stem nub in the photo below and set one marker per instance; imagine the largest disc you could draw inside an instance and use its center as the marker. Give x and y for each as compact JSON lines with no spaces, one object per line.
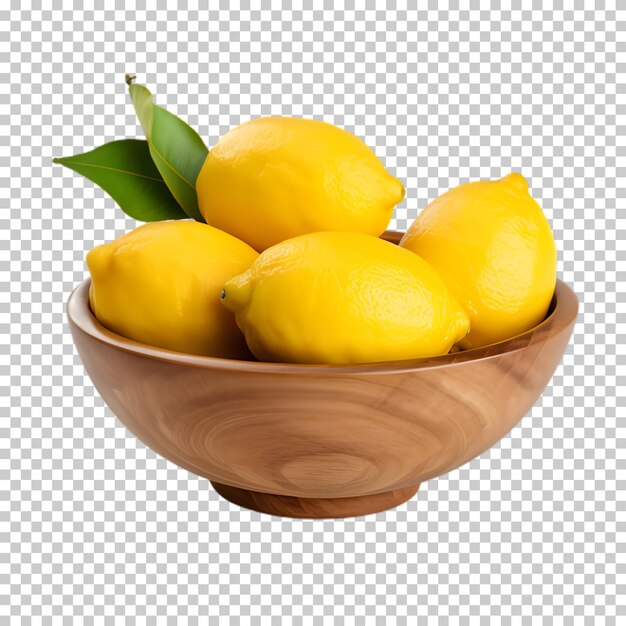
{"x":223,"y":294}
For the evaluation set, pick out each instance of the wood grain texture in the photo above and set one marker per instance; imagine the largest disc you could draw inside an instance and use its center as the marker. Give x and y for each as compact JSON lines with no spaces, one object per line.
{"x":326,"y":437}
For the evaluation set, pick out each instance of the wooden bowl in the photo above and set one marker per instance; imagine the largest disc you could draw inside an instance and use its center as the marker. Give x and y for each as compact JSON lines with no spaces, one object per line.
{"x":321,"y":441}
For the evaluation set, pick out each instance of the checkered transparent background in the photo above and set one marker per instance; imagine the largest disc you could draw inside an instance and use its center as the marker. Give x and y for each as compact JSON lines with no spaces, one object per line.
{"x":95,"y":526}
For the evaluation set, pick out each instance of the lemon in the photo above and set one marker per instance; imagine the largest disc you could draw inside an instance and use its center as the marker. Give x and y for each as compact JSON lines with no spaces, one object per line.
{"x":278,"y":177}
{"x":160,"y":284}
{"x":333,"y":297}
{"x":494,"y":248}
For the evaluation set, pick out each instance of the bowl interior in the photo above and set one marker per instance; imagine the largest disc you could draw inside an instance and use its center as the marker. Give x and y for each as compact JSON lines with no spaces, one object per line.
{"x":562,"y":312}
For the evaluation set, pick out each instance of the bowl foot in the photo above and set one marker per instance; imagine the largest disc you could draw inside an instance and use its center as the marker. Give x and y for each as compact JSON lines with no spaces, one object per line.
{"x":291,"y":506}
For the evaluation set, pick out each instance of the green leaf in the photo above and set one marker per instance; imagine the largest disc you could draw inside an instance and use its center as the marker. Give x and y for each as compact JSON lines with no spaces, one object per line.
{"x":125,"y":170}
{"x":176,"y":149}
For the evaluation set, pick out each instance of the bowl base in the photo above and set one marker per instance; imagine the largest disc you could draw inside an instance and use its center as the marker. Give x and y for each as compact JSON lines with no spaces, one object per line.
{"x":291,"y":506}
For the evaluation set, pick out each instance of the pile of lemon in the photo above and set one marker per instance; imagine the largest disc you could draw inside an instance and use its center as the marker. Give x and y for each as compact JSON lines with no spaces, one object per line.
{"x":290,"y":267}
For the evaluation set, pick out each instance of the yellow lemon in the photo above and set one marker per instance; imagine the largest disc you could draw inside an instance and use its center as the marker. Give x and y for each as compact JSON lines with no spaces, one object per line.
{"x":334,"y":297}
{"x":494,"y":248}
{"x":278,"y":177}
{"x":160,"y":284}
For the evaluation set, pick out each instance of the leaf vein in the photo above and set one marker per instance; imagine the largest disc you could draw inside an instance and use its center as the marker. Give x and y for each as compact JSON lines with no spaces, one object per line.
{"x":113,"y":169}
{"x":169,"y":165}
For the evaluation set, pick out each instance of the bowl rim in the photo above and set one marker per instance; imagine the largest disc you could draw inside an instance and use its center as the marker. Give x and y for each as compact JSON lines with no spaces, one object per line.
{"x":561,"y":315}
